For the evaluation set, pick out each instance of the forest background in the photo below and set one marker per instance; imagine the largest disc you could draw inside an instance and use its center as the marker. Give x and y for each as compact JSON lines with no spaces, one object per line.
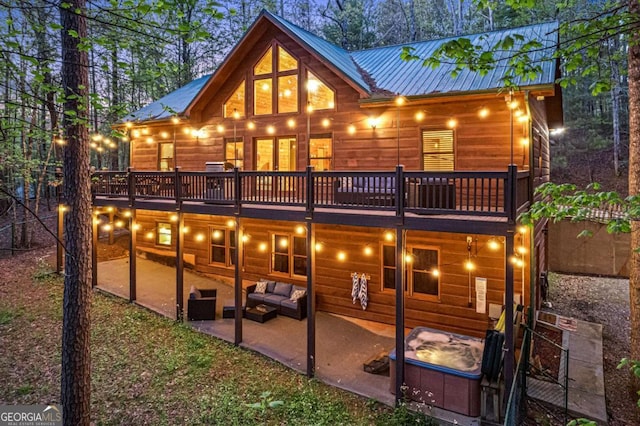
{"x":140,"y":51}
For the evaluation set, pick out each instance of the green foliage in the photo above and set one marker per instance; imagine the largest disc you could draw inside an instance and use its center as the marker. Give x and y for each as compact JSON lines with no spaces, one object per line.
{"x":634,"y":367}
{"x":266,"y":402}
{"x":566,"y":201}
{"x":403,"y":415}
{"x":7,"y":315}
{"x":582,"y":421}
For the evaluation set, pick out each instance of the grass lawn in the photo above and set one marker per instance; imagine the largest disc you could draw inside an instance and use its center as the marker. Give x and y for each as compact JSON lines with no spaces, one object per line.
{"x":147,"y":369}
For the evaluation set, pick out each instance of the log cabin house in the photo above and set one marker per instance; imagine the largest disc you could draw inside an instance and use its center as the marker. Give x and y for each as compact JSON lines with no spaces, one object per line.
{"x":300,"y":162}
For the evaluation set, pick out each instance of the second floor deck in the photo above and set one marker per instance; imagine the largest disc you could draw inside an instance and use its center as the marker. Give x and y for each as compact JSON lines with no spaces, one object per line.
{"x":488,"y":201}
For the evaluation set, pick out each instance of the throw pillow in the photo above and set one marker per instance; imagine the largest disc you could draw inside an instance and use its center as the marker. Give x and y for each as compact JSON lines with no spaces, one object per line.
{"x":283,"y":289}
{"x":261,"y":287}
{"x":297,"y":294}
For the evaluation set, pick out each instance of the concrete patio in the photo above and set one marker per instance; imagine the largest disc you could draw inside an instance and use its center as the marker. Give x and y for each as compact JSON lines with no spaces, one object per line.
{"x":342,"y":344}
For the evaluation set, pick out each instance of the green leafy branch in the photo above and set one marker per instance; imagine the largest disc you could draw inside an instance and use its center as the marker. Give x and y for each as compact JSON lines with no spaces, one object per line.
{"x":566,"y":201}
{"x":265,"y":403}
{"x":634,"y":367}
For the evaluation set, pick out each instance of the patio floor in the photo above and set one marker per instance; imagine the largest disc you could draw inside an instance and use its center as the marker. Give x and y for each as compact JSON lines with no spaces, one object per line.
{"x":342,"y":344}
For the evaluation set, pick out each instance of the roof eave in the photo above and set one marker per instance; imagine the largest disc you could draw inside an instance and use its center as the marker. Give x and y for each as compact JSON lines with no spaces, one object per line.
{"x":386,"y":101}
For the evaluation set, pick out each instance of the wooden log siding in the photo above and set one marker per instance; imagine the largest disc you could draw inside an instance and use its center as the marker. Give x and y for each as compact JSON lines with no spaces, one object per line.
{"x":479,"y":142}
{"x":332,"y":277}
{"x":540,"y":164}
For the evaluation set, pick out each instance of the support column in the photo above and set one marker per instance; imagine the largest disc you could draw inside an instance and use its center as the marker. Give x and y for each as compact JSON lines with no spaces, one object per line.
{"x":508,"y":317}
{"x":133,"y":233}
{"x":94,"y":249}
{"x":112,"y":227}
{"x":311,"y":301}
{"x":237,"y":287}
{"x":400,"y":273}
{"x":180,"y":268}
{"x":60,"y":248}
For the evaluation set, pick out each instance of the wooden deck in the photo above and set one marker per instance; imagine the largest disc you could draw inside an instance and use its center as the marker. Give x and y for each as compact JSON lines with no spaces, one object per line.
{"x":455,"y":201}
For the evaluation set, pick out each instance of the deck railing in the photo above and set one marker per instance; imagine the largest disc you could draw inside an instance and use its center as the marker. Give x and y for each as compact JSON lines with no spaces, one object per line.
{"x":489,"y":193}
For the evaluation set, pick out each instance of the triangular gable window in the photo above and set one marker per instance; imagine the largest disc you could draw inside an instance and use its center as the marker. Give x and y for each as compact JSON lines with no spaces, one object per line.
{"x":234,"y":106}
{"x":319,"y":95}
{"x":286,"y":62}
{"x":265,"y":64}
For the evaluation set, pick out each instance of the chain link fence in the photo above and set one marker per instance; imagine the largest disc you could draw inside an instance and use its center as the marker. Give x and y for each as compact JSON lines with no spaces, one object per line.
{"x":516,"y":412}
{"x":540,"y":386}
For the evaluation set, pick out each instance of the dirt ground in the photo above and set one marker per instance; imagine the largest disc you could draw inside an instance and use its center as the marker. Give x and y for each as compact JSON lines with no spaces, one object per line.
{"x":605,"y":301}
{"x":41,"y":236}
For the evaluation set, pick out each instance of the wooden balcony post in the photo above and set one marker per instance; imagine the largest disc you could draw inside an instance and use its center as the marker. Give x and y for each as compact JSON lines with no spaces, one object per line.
{"x":177,"y":185}
{"x":508,"y":317}
{"x":311,"y":299}
{"x":238,"y":257}
{"x":112,"y":227}
{"x":511,"y":193}
{"x":399,"y":191}
{"x":180,"y":268}
{"x":310,"y":194}
{"x":131,"y":184}
{"x":94,"y":249}
{"x":237,"y":190}
{"x":400,"y":263}
{"x":132,"y":255}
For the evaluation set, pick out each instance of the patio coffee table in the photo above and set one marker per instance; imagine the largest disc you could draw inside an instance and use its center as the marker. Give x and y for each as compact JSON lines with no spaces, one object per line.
{"x":261,"y":313}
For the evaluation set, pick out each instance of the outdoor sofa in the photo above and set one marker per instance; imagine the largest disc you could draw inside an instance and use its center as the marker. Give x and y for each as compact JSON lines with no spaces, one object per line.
{"x":432,"y":192}
{"x":279,"y":295}
{"x":366,"y":190}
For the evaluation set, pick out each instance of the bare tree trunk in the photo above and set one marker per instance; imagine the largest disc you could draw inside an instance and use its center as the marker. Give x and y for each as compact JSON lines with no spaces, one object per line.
{"x":76,"y":370}
{"x":45,"y":151}
{"x":115,"y":100}
{"x":616,"y":94}
{"x":94,"y":111}
{"x":634,"y":174}
{"x":413,"y":32}
{"x":25,"y":169}
{"x":490,"y":17}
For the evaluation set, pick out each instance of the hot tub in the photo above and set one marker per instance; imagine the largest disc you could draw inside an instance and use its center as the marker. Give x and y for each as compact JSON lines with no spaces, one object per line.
{"x":442,"y":370}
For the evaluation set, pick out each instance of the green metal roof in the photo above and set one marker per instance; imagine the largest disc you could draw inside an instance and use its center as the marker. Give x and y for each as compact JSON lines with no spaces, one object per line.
{"x":173,"y":103}
{"x":410,"y":78}
{"x":381,"y":70}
